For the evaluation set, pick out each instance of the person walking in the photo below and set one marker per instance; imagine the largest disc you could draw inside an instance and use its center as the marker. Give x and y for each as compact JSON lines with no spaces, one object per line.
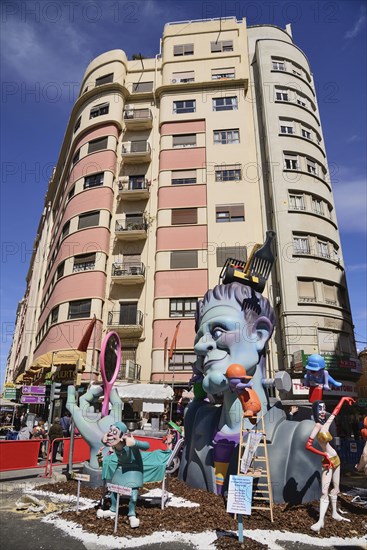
{"x":39,"y":432}
{"x":24,"y":432}
{"x":65,"y":422}
{"x":55,"y":432}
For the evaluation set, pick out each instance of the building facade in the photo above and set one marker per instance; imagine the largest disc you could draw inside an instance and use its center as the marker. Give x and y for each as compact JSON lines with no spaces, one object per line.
{"x":169,"y":166}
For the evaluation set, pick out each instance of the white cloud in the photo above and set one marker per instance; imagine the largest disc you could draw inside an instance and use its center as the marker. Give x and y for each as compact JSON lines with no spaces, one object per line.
{"x":353,"y":138}
{"x":351,"y":199}
{"x":356,"y":267}
{"x":358,"y":26}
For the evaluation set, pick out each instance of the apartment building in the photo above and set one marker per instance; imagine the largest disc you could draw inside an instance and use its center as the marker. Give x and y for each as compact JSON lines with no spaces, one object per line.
{"x":169,"y":166}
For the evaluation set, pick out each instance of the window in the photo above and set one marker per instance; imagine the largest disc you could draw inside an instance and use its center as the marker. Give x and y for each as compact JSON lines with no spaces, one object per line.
{"x":278,"y":65}
{"x":228,"y":173}
{"x":281,"y":95}
{"x":224,"y":252}
{"x":99,"y":110}
{"x":329,"y":294}
{"x":94,"y":180}
{"x":184,"y":216}
{"x":89,"y":219}
{"x":65,"y":229}
{"x":84,"y":262}
{"x":311,"y":166}
{"x":297,"y":71}
{"x":137,"y":182}
{"x":60,"y":271}
{"x":104,"y":79}
{"x":222,"y":46}
{"x":291,"y":162}
{"x":187,"y":106}
{"x":225,"y":103}
{"x":186,"y":140}
{"x":183,"y":177}
{"x":79,"y":309}
{"x":306,"y":134}
{"x":97,"y":144}
{"x":184,"y":259}
{"x":301,"y":245}
{"x":300,"y":100}
{"x":230,"y":213}
{"x":183,"y":49}
{"x":296,"y":202}
{"x":323,"y":249}
{"x":182,"y":360}
{"x":71,"y":193}
{"x":129,"y":314}
{"x":77,"y":124}
{"x":223,"y":72}
{"x":182,"y":307}
{"x":183,"y":77}
{"x":225,"y":137}
{"x":54,"y":315}
{"x":140,"y":87}
{"x":306,"y":291}
{"x":286,"y":129}
{"x":76,"y":157}
{"x":318,"y":206}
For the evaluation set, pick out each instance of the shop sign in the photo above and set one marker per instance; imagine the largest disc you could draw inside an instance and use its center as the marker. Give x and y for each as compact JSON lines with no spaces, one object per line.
{"x":362,"y":402}
{"x":332,"y":362}
{"x":348,"y":388}
{"x":10,"y":393}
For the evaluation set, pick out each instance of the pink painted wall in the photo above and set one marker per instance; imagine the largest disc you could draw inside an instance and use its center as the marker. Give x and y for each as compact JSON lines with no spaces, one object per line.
{"x":101,"y":131}
{"x":77,"y":286}
{"x":177,"y":159}
{"x":177,"y":283}
{"x":177,"y":196}
{"x":184,"y":237}
{"x":163,"y":328}
{"x":66,"y":336}
{"x":81,"y":242}
{"x":97,"y":198}
{"x":180,"y":376}
{"x":95,"y":162}
{"x":189,"y":127}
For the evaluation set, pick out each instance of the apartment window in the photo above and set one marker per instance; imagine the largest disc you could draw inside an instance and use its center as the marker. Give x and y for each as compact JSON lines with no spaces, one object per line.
{"x":227,"y":173}
{"x":84,"y":262}
{"x":297,"y":71}
{"x":301,"y":245}
{"x":183,"y":77}
{"x":182,"y":360}
{"x":300,"y":100}
{"x":77,"y":124}
{"x":88,"y":220}
{"x":76,"y":157}
{"x":278,"y":65}
{"x":291,"y":162}
{"x":104,"y":79}
{"x":183,"y":49}
{"x":137,"y":182}
{"x":65,"y":229}
{"x":297,"y":202}
{"x":183,"y":177}
{"x":323,"y":249}
{"x":306,"y":134}
{"x":225,"y":103}
{"x":184,"y":216}
{"x":187,"y":106}
{"x":329,"y":294}
{"x":225,"y":137}
{"x":318,"y":206}
{"x":286,"y":129}
{"x":182,"y":307}
{"x":230,"y":213}
{"x":306,"y":291}
{"x":98,"y":110}
{"x":71,"y":193}
{"x":223,"y":72}
{"x":224,"y":252}
{"x":54,"y":315}
{"x":97,"y":144}
{"x":60,"y":271}
{"x":281,"y":95}
{"x":94,"y":180}
{"x":79,"y":309}
{"x":182,"y":141}
{"x":311,"y":166}
{"x":221,"y":46}
{"x":140,"y":87}
{"x":184,"y":259}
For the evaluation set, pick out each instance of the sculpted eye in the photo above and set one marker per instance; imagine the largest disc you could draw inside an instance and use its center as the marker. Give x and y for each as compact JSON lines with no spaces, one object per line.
{"x":217,"y":333}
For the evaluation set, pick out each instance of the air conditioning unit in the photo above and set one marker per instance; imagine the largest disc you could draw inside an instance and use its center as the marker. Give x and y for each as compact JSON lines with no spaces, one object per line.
{"x":129,"y":111}
{"x":130,"y":369}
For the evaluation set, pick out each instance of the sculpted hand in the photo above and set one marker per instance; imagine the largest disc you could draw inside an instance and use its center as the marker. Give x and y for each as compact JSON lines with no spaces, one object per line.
{"x":90,"y":425}
{"x":327,"y":463}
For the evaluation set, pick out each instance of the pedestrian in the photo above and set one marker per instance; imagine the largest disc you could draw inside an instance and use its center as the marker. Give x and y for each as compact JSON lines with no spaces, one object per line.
{"x":17,"y":422}
{"x":65,"y":422}
{"x":24,"y":432}
{"x":39,"y":432}
{"x":54,"y":433}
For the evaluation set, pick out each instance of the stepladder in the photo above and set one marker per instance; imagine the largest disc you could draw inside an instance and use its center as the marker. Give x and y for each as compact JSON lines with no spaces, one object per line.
{"x":253,"y":461}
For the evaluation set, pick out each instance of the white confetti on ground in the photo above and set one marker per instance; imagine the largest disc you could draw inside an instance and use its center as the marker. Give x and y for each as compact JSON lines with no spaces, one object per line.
{"x":174,"y":501}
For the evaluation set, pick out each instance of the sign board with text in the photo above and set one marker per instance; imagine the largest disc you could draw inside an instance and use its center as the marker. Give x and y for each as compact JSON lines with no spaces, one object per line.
{"x":348,"y":388}
{"x":119,"y":489}
{"x":33,"y":399}
{"x":239,"y":495}
{"x":80,"y":477}
{"x":33,"y":390}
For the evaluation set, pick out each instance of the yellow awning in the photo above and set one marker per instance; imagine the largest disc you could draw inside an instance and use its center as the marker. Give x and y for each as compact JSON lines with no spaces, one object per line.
{"x":62,"y":357}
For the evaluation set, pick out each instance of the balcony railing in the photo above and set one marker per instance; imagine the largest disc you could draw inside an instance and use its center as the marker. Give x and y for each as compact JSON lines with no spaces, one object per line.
{"x":128,"y":270}
{"x":122,"y":318}
{"x":137,"y":114}
{"x":129,"y":184}
{"x":133,"y":147}
{"x":131,"y":224}
{"x":129,"y":371}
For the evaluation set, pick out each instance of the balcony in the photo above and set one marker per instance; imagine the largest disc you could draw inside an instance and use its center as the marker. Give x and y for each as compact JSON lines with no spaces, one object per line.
{"x":132,"y":188}
{"x":128,"y":274}
{"x":134,"y":152}
{"x":129,"y":371}
{"x":138,"y":119}
{"x":131,"y":229}
{"x":128,"y":324}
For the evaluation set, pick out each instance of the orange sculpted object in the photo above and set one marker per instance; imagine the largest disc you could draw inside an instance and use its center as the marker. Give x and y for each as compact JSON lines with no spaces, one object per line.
{"x":240,"y":382}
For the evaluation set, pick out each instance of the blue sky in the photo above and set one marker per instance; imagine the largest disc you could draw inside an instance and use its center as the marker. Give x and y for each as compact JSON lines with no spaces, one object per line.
{"x":45,"y":48}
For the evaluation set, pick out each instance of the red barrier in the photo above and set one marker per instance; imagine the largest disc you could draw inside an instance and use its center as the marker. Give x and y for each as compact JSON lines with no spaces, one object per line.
{"x":81,"y":452}
{"x":19,"y":455}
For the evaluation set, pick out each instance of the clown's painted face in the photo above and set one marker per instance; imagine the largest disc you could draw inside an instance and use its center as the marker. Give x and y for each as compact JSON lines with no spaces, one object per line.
{"x":113,"y":437}
{"x":321,"y":412}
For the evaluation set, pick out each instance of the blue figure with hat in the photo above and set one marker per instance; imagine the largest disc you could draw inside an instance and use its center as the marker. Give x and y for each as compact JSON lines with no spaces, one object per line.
{"x":123,"y":467}
{"x":318,"y":378}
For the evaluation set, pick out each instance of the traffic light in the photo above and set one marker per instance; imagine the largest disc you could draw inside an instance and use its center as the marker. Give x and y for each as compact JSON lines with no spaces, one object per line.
{"x":55,"y":391}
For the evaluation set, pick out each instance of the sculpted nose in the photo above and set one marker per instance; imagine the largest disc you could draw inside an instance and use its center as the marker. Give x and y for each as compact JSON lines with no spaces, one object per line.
{"x":205,"y":344}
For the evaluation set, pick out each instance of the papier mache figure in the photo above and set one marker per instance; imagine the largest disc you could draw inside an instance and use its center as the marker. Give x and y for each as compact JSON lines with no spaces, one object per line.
{"x":317,"y":378}
{"x":330,"y":461}
{"x":129,"y":470}
{"x":240,"y":383}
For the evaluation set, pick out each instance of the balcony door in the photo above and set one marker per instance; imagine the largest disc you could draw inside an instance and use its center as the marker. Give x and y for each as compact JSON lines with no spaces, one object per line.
{"x":128,"y":313}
